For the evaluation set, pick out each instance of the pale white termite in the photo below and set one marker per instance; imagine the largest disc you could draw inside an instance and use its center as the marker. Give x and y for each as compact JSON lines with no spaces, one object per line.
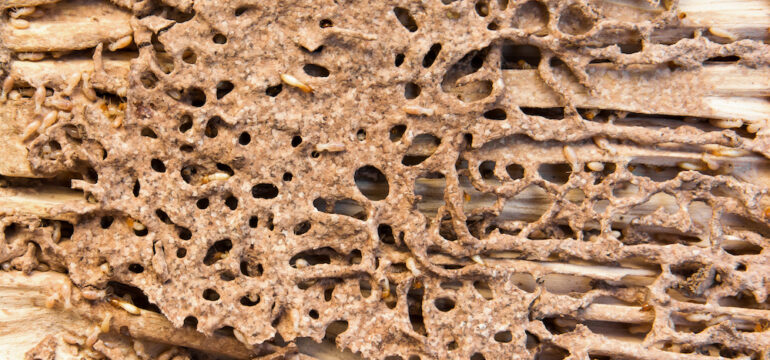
{"x":120,"y":43}
{"x":412,"y":266}
{"x":30,"y":129}
{"x":19,"y":23}
{"x":88,"y":91}
{"x":293,"y":81}
{"x":418,"y":110}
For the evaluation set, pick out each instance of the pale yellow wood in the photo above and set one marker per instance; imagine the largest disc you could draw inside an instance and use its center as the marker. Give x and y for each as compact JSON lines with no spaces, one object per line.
{"x":651,"y":90}
{"x":69,"y":25}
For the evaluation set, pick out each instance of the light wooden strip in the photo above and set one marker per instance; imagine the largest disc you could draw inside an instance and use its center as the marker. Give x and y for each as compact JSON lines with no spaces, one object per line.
{"x":55,"y":73}
{"x":25,"y":320}
{"x":4,"y":4}
{"x":744,"y":19}
{"x":48,"y":202}
{"x":655,"y":91}
{"x":70,"y":25}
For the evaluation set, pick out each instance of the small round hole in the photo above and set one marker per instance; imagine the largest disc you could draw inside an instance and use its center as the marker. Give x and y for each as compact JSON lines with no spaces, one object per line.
{"x":106,"y":221}
{"x":210,"y":295}
{"x":202,"y":203}
{"x":244,"y":138}
{"x":219,"y":39}
{"x":296,"y":140}
{"x":181,"y":252}
{"x":287,"y":176}
{"x":136,"y":268}
{"x":158,"y":165}
{"x":399,"y":59}
{"x":313,"y":313}
{"x":361,"y":135}
{"x":189,"y":56}
{"x":325,"y":23}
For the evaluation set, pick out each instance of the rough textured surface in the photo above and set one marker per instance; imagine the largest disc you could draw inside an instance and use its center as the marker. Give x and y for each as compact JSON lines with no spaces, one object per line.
{"x":390,"y":189}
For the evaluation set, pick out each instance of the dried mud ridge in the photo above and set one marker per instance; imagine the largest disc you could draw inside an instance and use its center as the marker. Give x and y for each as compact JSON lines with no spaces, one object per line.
{"x":386,"y":177}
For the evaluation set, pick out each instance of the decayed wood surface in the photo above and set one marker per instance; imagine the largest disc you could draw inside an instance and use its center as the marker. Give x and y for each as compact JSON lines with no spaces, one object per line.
{"x":722,"y":91}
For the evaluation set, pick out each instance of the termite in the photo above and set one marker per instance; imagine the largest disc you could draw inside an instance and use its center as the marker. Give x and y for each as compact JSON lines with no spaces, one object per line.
{"x":292,"y":81}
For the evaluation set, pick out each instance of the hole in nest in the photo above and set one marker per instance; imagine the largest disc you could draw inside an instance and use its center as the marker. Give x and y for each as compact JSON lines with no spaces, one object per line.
{"x":185,"y":123}
{"x":503,"y":336}
{"x":244,"y":138}
{"x":531,"y":17}
{"x":422,"y":147}
{"x":106,"y":221}
{"x":554,"y":113}
{"x":302,"y":228}
{"x":411,"y":90}
{"x":231,"y":202}
{"x":325,"y":23}
{"x":444,"y":304}
{"x":516,"y":56}
{"x":296,"y":140}
{"x":188,"y":56}
{"x":515,"y":171}
{"x":414,"y":305}
{"x":250,"y":300}
{"x":313,"y":313}
{"x":482,"y":8}
{"x":264,"y":191}
{"x":190,"y":322}
{"x":334,"y":329}
{"x":136,"y":188}
{"x":202,"y":203}
{"x":163,"y":216}
{"x":210,"y":295}
{"x":274,"y":90}
{"x":287,"y":176}
{"x":136,"y":268}
{"x":147,"y":132}
{"x":372,"y":182}
{"x":496,"y":114}
{"x":361,"y":135}
{"x":181,"y":252}
{"x":217,"y":251}
{"x":477,"y":356}
{"x":251,"y":270}
{"x":399,"y":59}
{"x":482,"y":287}
{"x":397,"y":132}
{"x":219,"y":39}
{"x":315,"y":70}
{"x":405,"y":18}
{"x":195,"y":97}
{"x":253,"y":221}
{"x":184,"y":233}
{"x":555,"y":173}
{"x":574,"y":21}
{"x":158,"y":165}
{"x":224,"y":88}
{"x":385,"y":234}
{"x":212,"y":127}
{"x":431,"y":55}
{"x":241,"y":10}
{"x":149,"y":80}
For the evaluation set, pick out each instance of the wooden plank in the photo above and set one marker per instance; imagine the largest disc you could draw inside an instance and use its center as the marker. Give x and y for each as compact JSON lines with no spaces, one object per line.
{"x":47,"y":202}
{"x":654,"y":90}
{"x":25,"y":320}
{"x":55,"y":73}
{"x":70,"y":25}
